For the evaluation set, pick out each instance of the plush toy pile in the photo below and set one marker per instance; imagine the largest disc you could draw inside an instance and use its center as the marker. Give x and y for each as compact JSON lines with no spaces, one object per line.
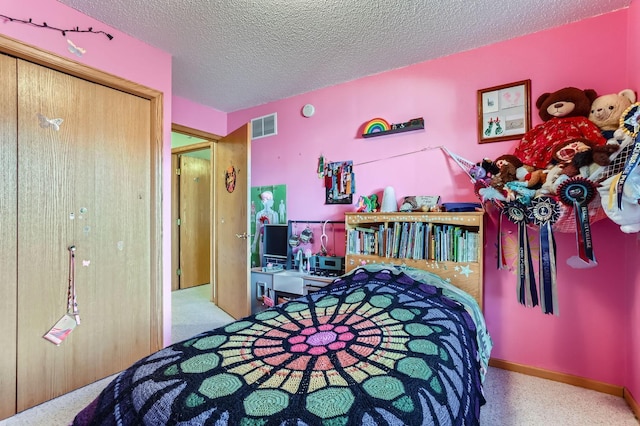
{"x":576,"y":167}
{"x":575,"y":142}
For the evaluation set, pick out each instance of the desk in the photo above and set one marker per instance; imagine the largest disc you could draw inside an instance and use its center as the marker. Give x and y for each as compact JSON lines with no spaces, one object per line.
{"x":265,"y":282}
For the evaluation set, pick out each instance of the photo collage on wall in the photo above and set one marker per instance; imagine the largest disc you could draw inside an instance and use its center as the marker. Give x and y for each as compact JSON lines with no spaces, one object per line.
{"x":339,"y":183}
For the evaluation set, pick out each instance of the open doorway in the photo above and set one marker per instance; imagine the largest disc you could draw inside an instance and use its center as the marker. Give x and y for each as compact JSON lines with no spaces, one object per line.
{"x":191,"y":207}
{"x":229,"y":229}
{"x":191,"y":233}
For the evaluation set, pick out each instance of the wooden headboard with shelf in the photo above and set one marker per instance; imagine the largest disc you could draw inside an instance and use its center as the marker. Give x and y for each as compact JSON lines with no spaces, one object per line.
{"x":464,"y":272}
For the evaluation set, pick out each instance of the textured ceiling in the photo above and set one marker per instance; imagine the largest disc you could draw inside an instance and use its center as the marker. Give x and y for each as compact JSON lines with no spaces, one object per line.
{"x":235,"y":54}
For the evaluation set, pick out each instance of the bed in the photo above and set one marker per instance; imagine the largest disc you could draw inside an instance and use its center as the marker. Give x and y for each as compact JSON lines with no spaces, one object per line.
{"x":378,"y":346}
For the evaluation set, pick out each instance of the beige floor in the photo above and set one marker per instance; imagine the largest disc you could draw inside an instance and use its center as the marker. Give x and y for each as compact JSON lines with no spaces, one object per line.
{"x":513,"y":399}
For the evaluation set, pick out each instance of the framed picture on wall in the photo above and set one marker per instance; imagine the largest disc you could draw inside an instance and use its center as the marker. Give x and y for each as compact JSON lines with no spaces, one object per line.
{"x":339,"y":182}
{"x":504,"y":112}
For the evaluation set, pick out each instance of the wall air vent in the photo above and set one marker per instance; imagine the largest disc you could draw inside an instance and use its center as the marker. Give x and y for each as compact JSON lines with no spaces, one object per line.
{"x":264,"y":126}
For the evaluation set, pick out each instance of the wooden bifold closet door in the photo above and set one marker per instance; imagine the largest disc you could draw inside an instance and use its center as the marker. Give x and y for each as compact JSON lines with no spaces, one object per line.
{"x":8,"y":234}
{"x":83,"y":179}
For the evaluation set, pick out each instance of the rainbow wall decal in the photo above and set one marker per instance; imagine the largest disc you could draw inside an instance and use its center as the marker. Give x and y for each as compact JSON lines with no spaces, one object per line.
{"x":376,"y":125}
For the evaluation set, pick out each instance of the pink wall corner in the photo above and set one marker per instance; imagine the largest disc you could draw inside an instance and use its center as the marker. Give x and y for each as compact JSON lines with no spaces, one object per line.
{"x":443,"y":91}
{"x":122,"y":56}
{"x":580,"y":340}
{"x":633,"y":243}
{"x":199,"y":117}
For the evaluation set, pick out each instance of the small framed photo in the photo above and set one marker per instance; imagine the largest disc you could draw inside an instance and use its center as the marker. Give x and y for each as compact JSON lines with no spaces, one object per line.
{"x":504,"y":112}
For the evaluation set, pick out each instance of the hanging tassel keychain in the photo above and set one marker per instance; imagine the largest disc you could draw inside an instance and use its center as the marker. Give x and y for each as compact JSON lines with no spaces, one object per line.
{"x":71,"y":319}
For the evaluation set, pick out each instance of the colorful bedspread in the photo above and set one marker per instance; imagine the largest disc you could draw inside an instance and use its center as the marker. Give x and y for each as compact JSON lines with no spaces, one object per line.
{"x":374,"y":348}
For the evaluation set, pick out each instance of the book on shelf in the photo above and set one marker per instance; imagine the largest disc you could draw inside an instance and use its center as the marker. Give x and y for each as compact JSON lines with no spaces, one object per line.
{"x":415,"y":240}
{"x":397,"y":232}
{"x":388,"y":242}
{"x":404,"y":236}
{"x":365,"y":229}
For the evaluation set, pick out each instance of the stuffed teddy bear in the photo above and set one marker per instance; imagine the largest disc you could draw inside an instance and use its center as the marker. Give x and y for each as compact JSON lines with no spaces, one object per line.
{"x":576,"y":157}
{"x":514,"y":180}
{"x":607,"y":109}
{"x":507,"y":165}
{"x":565,"y":115}
{"x":532,"y":177}
{"x":511,"y":169}
{"x":579,"y":153}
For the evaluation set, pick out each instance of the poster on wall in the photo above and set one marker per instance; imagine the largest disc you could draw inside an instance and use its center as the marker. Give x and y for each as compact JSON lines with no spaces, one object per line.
{"x":268,"y":205}
{"x":339,"y":183}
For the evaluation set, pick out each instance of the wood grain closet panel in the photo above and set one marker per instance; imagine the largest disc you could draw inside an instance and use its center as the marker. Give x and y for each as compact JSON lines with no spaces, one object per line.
{"x":8,"y":233}
{"x":85,"y":184}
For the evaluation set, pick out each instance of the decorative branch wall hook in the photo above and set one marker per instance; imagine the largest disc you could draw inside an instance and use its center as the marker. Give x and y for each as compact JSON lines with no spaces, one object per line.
{"x":62,"y":31}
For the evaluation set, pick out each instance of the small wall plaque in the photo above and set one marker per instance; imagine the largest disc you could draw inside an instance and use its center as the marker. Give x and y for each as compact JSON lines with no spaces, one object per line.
{"x":379,"y":127}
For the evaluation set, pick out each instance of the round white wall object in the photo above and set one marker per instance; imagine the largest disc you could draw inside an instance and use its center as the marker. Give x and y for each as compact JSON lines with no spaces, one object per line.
{"x":308,"y":110}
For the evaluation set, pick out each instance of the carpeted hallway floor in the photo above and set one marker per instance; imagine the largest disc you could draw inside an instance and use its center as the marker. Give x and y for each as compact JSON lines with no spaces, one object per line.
{"x":513,"y":399}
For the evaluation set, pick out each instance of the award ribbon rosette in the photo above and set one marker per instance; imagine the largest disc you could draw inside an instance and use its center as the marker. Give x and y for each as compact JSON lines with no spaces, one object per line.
{"x":578,"y":192}
{"x":526,"y":289}
{"x":630,"y":124}
{"x":544,"y":211}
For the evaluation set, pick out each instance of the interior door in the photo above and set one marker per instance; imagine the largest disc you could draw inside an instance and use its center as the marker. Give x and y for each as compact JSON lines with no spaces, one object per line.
{"x":8,"y":234}
{"x":84,"y":181}
{"x":231,"y":250}
{"x":195,"y":220}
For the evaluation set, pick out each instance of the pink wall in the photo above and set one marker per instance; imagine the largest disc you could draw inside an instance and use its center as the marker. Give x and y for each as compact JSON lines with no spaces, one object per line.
{"x":122,"y":56}
{"x":199,"y":117}
{"x":594,"y":303}
{"x":633,"y":277}
{"x":588,"y":337}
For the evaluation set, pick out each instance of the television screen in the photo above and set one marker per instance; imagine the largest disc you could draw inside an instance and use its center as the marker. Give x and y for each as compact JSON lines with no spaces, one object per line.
{"x":276,"y":240}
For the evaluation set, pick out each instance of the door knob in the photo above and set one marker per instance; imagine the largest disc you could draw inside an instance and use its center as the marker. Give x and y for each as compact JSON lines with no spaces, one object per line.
{"x":244,"y":236}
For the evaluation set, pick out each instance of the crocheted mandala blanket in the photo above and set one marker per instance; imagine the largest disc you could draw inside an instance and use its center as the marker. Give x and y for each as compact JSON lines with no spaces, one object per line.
{"x":373,"y":348}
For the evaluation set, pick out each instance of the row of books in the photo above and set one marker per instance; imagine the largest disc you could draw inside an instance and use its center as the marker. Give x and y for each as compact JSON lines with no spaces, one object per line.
{"x":415,"y":240}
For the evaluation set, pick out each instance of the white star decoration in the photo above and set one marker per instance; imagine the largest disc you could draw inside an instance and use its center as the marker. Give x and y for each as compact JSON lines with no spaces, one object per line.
{"x":465,"y":270}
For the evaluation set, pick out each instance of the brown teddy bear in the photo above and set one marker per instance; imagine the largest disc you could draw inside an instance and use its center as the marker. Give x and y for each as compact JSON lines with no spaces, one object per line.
{"x":508,"y":166}
{"x":532,"y":177}
{"x":607,"y":109}
{"x":565,"y":114}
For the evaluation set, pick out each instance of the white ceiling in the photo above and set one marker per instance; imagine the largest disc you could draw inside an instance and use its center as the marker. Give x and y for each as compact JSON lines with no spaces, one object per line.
{"x":235,"y":54}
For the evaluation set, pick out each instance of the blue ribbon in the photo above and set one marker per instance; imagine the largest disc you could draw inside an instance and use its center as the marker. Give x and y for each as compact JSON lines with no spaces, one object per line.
{"x":527,"y":294}
{"x":585,"y":244}
{"x":578,"y":193}
{"x":548,"y":281}
{"x":526,"y":286}
{"x":544,"y":211}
